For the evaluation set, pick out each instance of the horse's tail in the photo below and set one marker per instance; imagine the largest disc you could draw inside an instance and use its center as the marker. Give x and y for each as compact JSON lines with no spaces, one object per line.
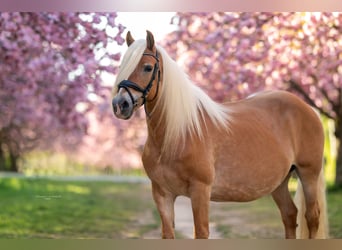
{"x":302,"y":229}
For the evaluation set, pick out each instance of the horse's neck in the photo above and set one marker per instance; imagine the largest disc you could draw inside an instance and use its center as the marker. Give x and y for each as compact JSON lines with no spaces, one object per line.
{"x":155,"y":123}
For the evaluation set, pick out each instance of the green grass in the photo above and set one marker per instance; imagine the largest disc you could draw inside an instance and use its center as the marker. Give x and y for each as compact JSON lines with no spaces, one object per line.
{"x":38,"y":208}
{"x":44,"y":163}
{"x":41,"y":208}
{"x":334,"y":200}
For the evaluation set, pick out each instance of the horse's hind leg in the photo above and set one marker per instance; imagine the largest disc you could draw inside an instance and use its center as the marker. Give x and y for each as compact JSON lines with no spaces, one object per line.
{"x":309,"y":179}
{"x":287,"y":208}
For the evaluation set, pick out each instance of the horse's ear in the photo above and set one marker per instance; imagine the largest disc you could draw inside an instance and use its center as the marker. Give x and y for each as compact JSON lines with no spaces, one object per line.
{"x":129,"y":39}
{"x":149,"y":40}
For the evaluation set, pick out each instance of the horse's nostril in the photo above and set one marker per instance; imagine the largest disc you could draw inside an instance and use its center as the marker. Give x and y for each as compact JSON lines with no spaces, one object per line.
{"x":124,"y":105}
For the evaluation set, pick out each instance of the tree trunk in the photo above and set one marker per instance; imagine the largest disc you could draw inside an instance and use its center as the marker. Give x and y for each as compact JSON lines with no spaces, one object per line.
{"x":2,"y":159}
{"x":338,"y":133}
{"x":13,"y":162}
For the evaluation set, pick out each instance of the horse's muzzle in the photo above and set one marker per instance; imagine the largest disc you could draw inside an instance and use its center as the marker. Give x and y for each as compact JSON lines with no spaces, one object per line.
{"x":122,"y":107}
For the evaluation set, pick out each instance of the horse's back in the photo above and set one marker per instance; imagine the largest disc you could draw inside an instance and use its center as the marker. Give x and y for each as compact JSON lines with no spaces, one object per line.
{"x":279,"y":106}
{"x":277,"y":101}
{"x":285,"y":115}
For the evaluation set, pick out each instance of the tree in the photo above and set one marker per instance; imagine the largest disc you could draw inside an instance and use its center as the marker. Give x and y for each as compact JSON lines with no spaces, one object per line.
{"x":50,"y":77}
{"x":235,"y":54}
{"x":111,"y":143}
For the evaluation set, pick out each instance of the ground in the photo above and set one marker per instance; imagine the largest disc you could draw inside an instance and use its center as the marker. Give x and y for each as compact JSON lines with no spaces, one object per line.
{"x":183,"y":222}
{"x":228,"y":220}
{"x":114,"y":207}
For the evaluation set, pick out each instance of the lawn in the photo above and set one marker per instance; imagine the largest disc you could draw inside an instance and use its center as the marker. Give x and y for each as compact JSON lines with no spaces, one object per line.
{"x":41,"y":208}
{"x":334,"y":199}
{"x":38,"y":208}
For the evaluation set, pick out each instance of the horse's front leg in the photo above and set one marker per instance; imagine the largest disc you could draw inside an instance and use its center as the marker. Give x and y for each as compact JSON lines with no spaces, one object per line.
{"x":200,"y":201}
{"x":165,"y":205}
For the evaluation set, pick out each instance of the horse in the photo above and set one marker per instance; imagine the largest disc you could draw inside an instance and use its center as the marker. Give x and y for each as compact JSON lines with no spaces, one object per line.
{"x":209,"y":151}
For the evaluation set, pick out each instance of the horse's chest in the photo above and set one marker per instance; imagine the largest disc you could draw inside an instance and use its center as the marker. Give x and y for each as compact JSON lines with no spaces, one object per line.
{"x":174,"y":183}
{"x":167,"y":177}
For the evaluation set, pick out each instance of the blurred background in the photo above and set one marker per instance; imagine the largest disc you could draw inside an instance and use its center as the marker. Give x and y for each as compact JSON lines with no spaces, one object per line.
{"x":57,"y":70}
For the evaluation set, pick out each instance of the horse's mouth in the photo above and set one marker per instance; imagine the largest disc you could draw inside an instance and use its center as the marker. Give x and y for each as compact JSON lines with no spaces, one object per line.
{"x":123,"y":115}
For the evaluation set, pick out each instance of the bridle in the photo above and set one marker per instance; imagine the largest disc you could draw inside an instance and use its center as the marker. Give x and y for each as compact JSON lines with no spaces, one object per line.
{"x":127,"y":84}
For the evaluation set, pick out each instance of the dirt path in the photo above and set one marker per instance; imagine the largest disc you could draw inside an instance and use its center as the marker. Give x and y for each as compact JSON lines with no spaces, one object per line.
{"x":183,"y":222}
{"x":258,"y":220}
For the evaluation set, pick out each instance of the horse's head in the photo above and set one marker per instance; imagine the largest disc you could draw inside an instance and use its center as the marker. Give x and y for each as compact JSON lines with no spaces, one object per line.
{"x":141,"y":86}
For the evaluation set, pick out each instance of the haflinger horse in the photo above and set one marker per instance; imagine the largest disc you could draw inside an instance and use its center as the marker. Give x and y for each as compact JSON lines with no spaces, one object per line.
{"x":238,"y":151}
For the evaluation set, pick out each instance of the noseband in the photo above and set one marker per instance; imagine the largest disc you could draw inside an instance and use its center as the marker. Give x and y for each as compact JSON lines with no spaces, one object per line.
{"x":127,"y":84}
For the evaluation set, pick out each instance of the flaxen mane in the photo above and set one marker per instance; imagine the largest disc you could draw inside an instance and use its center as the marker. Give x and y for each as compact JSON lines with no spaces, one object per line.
{"x":183,"y":103}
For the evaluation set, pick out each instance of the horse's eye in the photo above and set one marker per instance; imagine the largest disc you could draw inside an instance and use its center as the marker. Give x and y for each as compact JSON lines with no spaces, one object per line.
{"x":148,"y":68}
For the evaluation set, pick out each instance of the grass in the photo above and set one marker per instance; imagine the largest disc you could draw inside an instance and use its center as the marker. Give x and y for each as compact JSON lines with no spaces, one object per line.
{"x":44,"y":163}
{"x":261,"y":218}
{"x":38,"y":208}
{"x":41,"y":208}
{"x":334,"y":200}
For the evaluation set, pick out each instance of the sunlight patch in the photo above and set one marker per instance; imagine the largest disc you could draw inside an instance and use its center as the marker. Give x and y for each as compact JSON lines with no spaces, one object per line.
{"x":77,"y":189}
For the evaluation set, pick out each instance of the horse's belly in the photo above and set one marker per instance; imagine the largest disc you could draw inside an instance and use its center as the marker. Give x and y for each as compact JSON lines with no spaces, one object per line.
{"x":241,"y":184}
{"x":247,"y":169}
{"x":238,"y":193}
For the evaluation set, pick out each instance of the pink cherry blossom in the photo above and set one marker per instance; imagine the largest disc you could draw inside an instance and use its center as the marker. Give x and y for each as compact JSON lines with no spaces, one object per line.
{"x":48,"y":67}
{"x":298,"y":52}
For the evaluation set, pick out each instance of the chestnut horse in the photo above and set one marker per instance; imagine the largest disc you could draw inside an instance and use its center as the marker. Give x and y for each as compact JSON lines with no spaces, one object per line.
{"x":237,"y":151}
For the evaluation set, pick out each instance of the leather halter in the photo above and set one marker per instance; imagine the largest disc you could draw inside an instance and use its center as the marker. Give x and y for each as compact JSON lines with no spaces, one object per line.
{"x":127,"y":84}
